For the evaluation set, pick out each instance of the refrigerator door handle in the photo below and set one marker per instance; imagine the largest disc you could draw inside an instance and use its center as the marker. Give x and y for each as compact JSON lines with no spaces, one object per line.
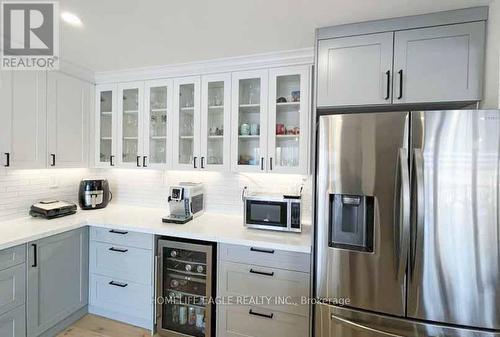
{"x":402,"y":208}
{"x":418,"y":160}
{"x":362,"y":327}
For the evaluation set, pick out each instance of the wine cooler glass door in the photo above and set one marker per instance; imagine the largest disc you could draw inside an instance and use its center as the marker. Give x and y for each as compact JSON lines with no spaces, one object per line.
{"x":185,"y":286}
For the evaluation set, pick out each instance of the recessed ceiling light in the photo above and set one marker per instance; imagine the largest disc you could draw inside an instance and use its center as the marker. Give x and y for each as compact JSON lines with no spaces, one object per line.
{"x":71,"y":18}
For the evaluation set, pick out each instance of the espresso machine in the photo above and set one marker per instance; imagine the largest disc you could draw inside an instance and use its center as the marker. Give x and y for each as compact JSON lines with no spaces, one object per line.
{"x":186,"y":200}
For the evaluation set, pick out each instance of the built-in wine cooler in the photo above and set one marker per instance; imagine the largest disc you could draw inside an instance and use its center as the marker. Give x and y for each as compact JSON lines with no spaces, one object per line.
{"x":185,"y":288}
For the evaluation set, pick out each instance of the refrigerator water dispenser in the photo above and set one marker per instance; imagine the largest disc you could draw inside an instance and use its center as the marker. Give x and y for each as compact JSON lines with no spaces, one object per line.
{"x":351,"y":222}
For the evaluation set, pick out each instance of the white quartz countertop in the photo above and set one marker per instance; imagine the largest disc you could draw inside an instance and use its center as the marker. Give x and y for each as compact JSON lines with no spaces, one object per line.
{"x":213,"y":227}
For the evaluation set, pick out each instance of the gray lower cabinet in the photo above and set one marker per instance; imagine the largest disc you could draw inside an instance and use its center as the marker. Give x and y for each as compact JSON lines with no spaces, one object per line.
{"x":263,"y":291}
{"x":121,"y":276}
{"x":13,"y":292}
{"x":57,"y":279}
{"x":13,"y":323}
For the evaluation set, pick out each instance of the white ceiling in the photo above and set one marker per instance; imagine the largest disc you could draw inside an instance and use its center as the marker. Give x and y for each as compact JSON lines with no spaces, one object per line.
{"x":120,"y":34}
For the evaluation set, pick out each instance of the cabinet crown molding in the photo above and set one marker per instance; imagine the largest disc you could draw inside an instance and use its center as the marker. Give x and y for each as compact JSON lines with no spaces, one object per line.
{"x":294,"y":57}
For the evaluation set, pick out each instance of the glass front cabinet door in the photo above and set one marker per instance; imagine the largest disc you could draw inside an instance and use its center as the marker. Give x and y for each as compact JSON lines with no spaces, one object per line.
{"x":130,"y":111}
{"x":215,"y":122}
{"x":105,"y":125}
{"x":288,"y":120}
{"x":249,"y":121}
{"x":157,"y":131}
{"x":186,"y":123}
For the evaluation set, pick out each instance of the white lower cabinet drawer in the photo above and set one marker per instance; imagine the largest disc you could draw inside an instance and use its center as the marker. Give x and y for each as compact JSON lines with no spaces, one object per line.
{"x":13,"y":323}
{"x":266,"y":257}
{"x":12,"y":288}
{"x":122,"y":237}
{"x":128,"y":263}
{"x":250,"y":321}
{"x":123,"y":300}
{"x":275,"y":289}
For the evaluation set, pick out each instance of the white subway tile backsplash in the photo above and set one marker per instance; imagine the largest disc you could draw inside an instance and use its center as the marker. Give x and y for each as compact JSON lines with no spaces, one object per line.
{"x":19,"y":189}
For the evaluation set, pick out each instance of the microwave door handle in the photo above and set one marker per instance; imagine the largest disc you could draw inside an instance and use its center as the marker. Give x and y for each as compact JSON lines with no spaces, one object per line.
{"x":402,"y":208}
{"x":418,"y":160}
{"x":363,"y":327}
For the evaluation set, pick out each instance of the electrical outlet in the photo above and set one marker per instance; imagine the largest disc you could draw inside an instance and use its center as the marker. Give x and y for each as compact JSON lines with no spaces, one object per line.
{"x":53,"y":183}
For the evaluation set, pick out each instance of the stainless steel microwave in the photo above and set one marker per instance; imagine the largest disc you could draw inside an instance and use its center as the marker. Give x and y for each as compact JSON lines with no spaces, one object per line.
{"x":273,"y":212}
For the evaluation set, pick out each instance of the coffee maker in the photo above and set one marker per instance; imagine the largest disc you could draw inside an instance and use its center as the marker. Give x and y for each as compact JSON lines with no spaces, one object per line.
{"x":94,"y":194}
{"x":187,"y":200}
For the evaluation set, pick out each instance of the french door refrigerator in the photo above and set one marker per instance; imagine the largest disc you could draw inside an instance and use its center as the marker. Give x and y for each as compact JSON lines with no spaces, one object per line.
{"x":407,"y":232}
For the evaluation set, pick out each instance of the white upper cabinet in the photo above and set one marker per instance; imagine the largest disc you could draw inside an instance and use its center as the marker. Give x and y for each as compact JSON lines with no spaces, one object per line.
{"x":186,"y":123}
{"x":215,"y":122}
{"x":105,"y":125}
{"x":130,"y":124}
{"x":68,"y":112}
{"x":439,"y":63}
{"x":355,"y":70}
{"x":289,"y":120}
{"x":249,"y":121}
{"x":157,"y":124}
{"x":23,"y":135}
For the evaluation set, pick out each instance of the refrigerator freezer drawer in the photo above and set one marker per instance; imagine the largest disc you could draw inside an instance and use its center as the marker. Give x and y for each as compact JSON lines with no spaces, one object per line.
{"x":333,"y":321}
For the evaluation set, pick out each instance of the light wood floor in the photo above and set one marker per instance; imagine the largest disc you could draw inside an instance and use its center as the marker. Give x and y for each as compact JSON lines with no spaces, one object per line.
{"x":95,"y":326}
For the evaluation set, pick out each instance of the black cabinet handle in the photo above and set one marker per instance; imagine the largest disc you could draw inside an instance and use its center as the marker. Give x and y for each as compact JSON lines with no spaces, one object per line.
{"x":261,"y":250}
{"x":35,"y":255}
{"x":113,"y":249}
{"x":400,"y":84}
{"x":53,"y":156}
{"x":7,"y":157}
{"x":194,"y":162}
{"x":118,"y":284}
{"x":202,"y":162}
{"x":111,"y":161}
{"x":251,"y":312}
{"x":271,"y":163}
{"x":262,"y":272}
{"x":388,"y":88}
{"x":138,"y":159}
{"x":144,"y":159}
{"x":262,"y":163}
{"x":115,"y":231}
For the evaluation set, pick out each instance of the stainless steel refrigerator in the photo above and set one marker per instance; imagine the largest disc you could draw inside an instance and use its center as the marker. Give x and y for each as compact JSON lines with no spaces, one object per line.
{"x":407,"y":224}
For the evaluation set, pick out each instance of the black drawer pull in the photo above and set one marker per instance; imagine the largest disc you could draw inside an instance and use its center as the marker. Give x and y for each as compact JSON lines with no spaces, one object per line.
{"x":111,"y":163}
{"x":260,"y":315}
{"x":118,"y":284}
{"x":53,"y":156}
{"x":7,"y":157}
{"x":115,"y":231}
{"x":35,"y":255}
{"x":388,"y":93}
{"x":144,"y":161}
{"x":400,"y":84}
{"x":138,"y":159}
{"x":260,"y":250}
{"x":262,"y":272}
{"x":113,"y":249}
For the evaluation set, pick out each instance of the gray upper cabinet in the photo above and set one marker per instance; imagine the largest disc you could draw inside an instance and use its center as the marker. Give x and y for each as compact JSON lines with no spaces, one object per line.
{"x":355,"y":70}
{"x":439,"y":64}
{"x":57,"y":279}
{"x":415,"y":60}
